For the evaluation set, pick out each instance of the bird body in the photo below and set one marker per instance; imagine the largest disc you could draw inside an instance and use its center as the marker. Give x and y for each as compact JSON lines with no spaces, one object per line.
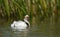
{"x":20,"y":24}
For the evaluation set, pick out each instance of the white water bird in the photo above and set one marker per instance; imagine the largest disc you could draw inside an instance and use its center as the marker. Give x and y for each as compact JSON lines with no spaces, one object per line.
{"x":21,"y":24}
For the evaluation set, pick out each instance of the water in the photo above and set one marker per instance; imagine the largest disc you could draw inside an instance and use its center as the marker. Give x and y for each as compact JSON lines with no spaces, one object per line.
{"x":41,"y":30}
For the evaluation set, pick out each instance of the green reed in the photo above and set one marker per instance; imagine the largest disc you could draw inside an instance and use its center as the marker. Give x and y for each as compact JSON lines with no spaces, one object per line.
{"x":40,"y":9}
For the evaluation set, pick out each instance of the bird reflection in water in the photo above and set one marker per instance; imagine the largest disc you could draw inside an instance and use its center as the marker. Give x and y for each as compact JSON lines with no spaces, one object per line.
{"x":20,"y":33}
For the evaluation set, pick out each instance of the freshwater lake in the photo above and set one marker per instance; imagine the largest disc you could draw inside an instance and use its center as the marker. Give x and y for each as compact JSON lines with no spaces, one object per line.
{"x":44,"y":29}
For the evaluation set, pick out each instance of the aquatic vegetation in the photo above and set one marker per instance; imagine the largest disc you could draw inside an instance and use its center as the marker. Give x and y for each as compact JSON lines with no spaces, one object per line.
{"x":38,"y":9}
{"x":45,"y":14}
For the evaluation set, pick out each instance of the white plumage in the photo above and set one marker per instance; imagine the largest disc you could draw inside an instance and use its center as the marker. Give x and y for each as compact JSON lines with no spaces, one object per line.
{"x":20,"y":24}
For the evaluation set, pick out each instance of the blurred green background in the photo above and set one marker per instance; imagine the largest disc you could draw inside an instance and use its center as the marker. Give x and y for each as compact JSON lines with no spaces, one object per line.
{"x":39,"y":9}
{"x":44,"y":13}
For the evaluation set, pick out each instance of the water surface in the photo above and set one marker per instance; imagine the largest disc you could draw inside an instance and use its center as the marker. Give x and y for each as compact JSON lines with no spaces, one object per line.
{"x":43,"y":29}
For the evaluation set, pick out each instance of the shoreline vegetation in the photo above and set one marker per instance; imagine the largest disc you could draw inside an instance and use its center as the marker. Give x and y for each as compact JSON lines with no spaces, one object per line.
{"x":41,"y":10}
{"x":44,"y":14}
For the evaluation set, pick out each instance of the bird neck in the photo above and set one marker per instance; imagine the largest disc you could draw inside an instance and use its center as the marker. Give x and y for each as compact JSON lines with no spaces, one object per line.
{"x":27,"y":22}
